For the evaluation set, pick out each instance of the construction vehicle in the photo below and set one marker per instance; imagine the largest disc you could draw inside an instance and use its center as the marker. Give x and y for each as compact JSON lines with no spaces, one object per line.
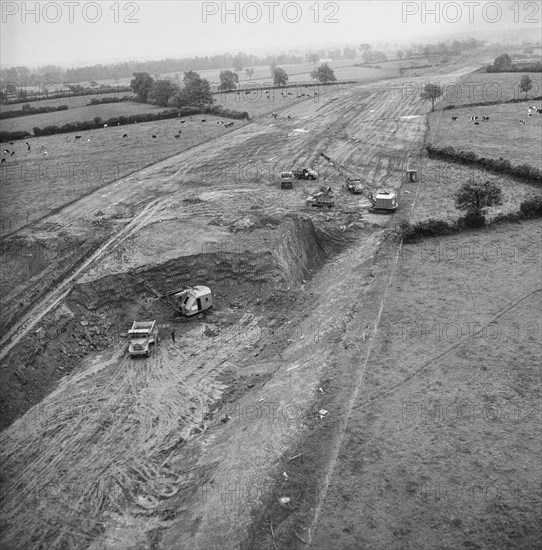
{"x":187,"y":301}
{"x":323,"y":198}
{"x":286,"y":180}
{"x":142,"y":335}
{"x":354,"y":186}
{"x":382,"y":201}
{"x":305,"y":174}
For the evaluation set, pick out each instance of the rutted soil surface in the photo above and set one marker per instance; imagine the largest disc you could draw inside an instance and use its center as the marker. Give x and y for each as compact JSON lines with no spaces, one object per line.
{"x":192,"y":447}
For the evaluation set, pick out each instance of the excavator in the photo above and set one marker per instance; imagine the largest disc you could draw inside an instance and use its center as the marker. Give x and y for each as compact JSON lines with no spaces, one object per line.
{"x":382,"y":202}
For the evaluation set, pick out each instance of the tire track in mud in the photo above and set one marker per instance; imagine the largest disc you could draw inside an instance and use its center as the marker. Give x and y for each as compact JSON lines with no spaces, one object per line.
{"x":70,"y":450}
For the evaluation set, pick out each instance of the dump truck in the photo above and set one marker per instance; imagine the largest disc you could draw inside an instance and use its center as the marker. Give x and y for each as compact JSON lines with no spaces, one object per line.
{"x":286,"y":180}
{"x":142,"y":335}
{"x":305,"y":174}
{"x":323,"y":198}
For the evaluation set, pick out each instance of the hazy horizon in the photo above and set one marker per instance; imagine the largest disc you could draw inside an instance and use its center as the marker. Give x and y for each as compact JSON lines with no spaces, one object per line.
{"x":160,"y":29}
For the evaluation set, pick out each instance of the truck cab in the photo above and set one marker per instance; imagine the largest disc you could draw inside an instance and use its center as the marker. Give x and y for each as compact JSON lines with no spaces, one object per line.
{"x":142,"y":335}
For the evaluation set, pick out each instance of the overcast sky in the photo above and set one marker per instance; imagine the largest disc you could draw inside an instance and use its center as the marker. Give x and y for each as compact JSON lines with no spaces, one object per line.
{"x":75,"y":33}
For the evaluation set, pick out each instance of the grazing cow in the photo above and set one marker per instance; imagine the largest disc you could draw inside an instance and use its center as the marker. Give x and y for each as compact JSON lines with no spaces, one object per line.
{"x":289,"y":117}
{"x":203,"y":120}
{"x":177,"y":136}
{"x":125,"y":135}
{"x":153,"y":136}
{"x":11,"y":142}
{"x":77,"y":137}
{"x":539,"y":111}
{"x":454,"y":118}
{"x":529,"y":114}
{"x":522,"y":121}
{"x":3,"y":160}
{"x":477,"y":124}
{"x":29,"y":147}
{"x":105,"y":125}
{"x":485,"y":118}
{"x":45,"y":153}
{"x":12,"y":153}
{"x":182,"y":121}
{"x":6,"y":151}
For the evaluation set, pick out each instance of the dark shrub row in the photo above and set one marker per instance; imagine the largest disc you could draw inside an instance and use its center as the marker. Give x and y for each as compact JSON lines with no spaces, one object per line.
{"x":488,"y":103}
{"x":95,"y":101}
{"x":525,"y":172}
{"x":28,"y":110}
{"x":529,"y":208}
{"x":43,"y":96}
{"x":523,"y":68}
{"x":12,"y":136}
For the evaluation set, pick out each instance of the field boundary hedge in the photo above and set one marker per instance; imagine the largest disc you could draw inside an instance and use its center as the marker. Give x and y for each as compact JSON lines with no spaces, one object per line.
{"x":97,"y":122}
{"x":489,"y":103}
{"x":27,"y":110}
{"x":525,"y":172}
{"x":529,"y":209}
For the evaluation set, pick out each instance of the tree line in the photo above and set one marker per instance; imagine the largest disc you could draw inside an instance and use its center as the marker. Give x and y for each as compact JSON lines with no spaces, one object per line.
{"x":22,"y":75}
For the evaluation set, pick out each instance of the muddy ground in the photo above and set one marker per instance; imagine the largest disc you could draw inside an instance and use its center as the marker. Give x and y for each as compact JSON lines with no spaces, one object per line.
{"x":264,"y":396}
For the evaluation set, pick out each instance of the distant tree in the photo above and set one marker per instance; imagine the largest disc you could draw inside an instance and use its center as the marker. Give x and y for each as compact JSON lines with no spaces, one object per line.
{"x":21,"y":94}
{"x":141,"y":84}
{"x":313,"y":57}
{"x":364,"y":47}
{"x":349,"y":53}
{"x":431,"y":92}
{"x":228,"y":80}
{"x":280,"y":78}
{"x":196,"y":90}
{"x":475,"y":198}
{"x":502,"y":62}
{"x":526,"y":84}
{"x":324,"y":74}
{"x":249,"y":72}
{"x":161,"y":91}
{"x":237,"y":64}
{"x":400,"y":54}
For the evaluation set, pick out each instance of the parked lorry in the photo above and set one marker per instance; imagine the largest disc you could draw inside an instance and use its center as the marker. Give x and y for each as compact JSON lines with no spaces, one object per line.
{"x":323,"y":198}
{"x":142,"y":335}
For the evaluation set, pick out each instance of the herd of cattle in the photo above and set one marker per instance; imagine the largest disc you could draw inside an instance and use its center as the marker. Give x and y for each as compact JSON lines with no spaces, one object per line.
{"x":532,"y":109}
{"x":7,"y":152}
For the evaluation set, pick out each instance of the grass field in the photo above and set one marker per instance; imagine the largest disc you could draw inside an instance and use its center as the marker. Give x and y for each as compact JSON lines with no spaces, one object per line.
{"x":480,"y":87}
{"x":35,"y":184}
{"x":440,"y":181}
{"x":72,"y":102}
{"x":59,"y":118}
{"x":442,"y":452}
{"x":502,"y":136}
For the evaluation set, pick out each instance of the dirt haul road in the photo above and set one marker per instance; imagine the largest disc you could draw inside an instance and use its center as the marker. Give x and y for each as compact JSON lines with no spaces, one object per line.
{"x":129,"y":454}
